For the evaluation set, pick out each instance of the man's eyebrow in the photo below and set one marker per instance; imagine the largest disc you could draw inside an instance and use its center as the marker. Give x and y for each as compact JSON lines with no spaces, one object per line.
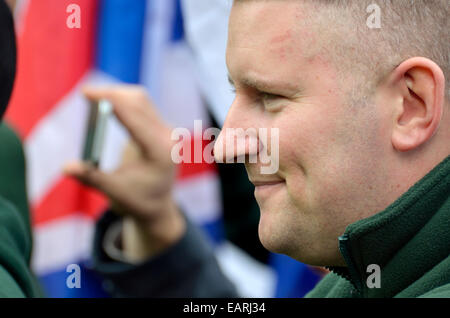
{"x":261,"y":85}
{"x":252,"y":82}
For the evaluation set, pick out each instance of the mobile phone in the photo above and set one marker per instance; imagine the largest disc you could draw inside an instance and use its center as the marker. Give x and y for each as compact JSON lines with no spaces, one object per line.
{"x":99,"y":113}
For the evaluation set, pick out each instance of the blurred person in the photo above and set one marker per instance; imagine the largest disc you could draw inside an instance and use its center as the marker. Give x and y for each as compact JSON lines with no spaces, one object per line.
{"x":364,"y":167}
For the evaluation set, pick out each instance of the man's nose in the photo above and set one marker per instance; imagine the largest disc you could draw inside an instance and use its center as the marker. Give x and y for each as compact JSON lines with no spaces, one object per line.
{"x":238,"y":140}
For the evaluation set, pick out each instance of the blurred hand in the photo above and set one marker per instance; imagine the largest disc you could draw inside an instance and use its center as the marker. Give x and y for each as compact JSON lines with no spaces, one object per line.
{"x":141,"y":188}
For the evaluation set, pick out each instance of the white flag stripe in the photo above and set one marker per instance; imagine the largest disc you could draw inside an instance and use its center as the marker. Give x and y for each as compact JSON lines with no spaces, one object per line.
{"x":199,"y":197}
{"x":19,"y":13}
{"x":61,"y":242}
{"x":157,"y":31}
{"x":182,"y":108}
{"x":206,"y":23}
{"x":252,"y":278}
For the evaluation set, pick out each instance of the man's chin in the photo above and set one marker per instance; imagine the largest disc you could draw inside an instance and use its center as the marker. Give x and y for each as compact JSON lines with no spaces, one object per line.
{"x":271,"y":245}
{"x":270,"y":235}
{"x":275,"y":238}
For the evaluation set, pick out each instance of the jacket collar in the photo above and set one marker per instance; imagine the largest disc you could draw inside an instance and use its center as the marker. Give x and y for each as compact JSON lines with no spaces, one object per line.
{"x":401,"y":240}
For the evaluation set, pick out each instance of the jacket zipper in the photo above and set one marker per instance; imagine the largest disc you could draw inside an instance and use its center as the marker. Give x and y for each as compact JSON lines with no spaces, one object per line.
{"x":344,"y":247}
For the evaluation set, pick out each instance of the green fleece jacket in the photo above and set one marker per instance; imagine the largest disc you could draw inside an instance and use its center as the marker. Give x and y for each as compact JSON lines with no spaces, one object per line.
{"x":409,"y":241}
{"x":16,"y":279}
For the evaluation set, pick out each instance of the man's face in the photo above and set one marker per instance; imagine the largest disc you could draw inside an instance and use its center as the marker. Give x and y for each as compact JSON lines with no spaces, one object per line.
{"x":327,"y":147}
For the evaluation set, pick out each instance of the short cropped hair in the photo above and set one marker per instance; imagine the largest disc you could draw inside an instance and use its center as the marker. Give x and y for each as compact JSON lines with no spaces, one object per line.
{"x":408,"y":28}
{"x":7,"y":55}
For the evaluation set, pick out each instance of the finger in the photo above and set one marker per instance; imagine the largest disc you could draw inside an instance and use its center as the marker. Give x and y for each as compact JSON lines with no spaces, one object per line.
{"x":130,"y":153}
{"x":91,"y":176}
{"x":134,"y":109}
{"x":144,"y":128}
{"x":96,"y":93}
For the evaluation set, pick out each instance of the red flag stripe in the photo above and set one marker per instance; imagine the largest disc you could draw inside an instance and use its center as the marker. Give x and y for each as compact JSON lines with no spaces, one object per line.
{"x":187,"y":170}
{"x":68,"y":197}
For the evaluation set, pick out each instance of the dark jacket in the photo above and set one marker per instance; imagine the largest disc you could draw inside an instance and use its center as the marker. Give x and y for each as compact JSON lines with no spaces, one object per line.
{"x":16,"y":279}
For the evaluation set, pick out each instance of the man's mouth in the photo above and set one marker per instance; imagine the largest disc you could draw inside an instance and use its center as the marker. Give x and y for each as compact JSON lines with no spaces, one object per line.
{"x":266,"y":183}
{"x":263,"y":189}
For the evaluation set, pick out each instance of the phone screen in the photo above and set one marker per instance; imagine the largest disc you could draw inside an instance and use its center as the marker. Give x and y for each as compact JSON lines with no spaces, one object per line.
{"x":95,"y":131}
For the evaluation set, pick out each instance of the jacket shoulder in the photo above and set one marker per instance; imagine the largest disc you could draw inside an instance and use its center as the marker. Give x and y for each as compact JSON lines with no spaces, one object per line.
{"x":9,"y":287}
{"x":13,"y":178}
{"x":16,"y":278}
{"x":440,"y":292}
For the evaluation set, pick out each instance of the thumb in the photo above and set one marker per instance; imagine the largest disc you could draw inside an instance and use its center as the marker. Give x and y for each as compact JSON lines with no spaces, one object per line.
{"x":89,"y":175}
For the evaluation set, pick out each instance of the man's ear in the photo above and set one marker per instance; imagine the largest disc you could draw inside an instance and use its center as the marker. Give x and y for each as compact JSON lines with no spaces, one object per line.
{"x":419,"y":84}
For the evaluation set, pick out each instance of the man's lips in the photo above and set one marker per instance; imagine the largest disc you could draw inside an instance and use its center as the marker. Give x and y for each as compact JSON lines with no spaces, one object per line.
{"x":266,"y":188}
{"x":266,"y":183}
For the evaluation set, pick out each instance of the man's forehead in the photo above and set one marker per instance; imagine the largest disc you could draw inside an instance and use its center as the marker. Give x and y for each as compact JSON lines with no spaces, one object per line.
{"x":266,"y":35}
{"x":265,"y":21}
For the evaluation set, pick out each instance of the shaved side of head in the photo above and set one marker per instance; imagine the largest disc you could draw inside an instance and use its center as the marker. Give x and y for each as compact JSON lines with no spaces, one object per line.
{"x":409,"y":28}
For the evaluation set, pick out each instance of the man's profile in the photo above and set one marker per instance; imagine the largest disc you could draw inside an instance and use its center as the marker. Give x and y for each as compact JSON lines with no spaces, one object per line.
{"x":357,"y":129}
{"x":355,"y":133}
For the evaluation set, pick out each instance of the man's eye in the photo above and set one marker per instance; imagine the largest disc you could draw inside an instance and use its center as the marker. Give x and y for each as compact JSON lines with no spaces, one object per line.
{"x":268,"y":96}
{"x":270,"y":101}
